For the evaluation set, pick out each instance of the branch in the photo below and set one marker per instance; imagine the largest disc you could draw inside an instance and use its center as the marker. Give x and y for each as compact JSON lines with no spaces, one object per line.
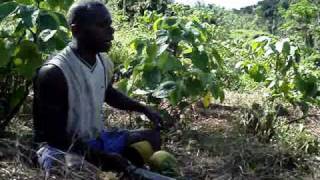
{"x":298,"y":119}
{"x":16,"y":109}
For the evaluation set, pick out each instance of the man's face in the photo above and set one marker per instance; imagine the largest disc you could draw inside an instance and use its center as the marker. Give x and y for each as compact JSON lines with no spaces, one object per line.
{"x":98,"y":34}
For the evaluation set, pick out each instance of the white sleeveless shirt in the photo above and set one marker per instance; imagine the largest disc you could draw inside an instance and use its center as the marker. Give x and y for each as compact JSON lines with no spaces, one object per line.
{"x":86,"y":92}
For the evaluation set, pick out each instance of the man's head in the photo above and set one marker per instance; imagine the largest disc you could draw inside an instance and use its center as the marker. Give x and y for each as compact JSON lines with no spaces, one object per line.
{"x":90,"y":23}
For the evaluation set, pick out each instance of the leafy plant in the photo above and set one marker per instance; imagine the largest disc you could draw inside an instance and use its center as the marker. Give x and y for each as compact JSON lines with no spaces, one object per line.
{"x":29,"y":32}
{"x":179,"y":64}
{"x":278,"y":66}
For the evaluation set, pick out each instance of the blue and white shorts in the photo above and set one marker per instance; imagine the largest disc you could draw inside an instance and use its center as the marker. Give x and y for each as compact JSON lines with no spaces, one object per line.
{"x":108,"y":141}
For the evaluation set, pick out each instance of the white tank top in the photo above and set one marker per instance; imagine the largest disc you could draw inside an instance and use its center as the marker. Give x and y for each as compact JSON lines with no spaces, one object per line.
{"x":86,"y":92}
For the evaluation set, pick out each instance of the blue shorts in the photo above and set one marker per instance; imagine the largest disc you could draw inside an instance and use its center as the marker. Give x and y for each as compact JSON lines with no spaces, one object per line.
{"x":108,"y":141}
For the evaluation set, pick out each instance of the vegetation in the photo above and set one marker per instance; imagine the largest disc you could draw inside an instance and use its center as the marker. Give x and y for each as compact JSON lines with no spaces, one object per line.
{"x":193,"y":63}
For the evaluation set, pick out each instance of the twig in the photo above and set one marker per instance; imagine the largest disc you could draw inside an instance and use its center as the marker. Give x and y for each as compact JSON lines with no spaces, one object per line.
{"x":298,"y":119}
{"x":15,"y":110}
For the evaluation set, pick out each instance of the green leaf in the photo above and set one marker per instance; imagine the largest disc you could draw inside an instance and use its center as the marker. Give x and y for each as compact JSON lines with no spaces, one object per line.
{"x":7,"y":8}
{"x":27,"y":2}
{"x":177,"y":94}
{"x":260,"y":42}
{"x":47,"y":34}
{"x":62,"y":5}
{"x":152,"y":50}
{"x":217,"y":91}
{"x":47,"y":20}
{"x":162,"y":48}
{"x":307,"y":85}
{"x":176,"y":34}
{"x":257,"y":72}
{"x":29,"y":54}
{"x":61,"y":19}
{"x":167,"y":62}
{"x":200,"y":60}
{"x":26,"y":14}
{"x":53,"y":3}
{"x":151,"y":76}
{"x":162,"y":39}
{"x":138,"y":45}
{"x":194,"y":86}
{"x":158,"y":24}
{"x":283,"y":47}
{"x":52,"y":40}
{"x":164,"y":89}
{"x":217,"y":56}
{"x":4,"y":54}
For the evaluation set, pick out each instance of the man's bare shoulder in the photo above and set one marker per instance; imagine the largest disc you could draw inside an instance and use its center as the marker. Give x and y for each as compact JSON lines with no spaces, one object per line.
{"x":52,"y":76}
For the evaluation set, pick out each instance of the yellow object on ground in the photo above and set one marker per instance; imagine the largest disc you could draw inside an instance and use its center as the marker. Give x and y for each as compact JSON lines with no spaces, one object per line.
{"x":145,"y":150}
{"x":164,"y":163}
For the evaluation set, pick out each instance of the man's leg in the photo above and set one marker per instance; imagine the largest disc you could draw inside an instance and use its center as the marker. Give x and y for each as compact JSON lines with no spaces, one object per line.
{"x":152,"y":136}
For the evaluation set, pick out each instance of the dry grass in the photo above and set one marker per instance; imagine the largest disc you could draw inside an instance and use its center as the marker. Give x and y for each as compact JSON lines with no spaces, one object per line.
{"x":208,"y":143}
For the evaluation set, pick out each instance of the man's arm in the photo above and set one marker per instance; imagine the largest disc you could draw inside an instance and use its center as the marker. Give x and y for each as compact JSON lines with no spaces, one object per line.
{"x":120,"y":101}
{"x":51,"y":107}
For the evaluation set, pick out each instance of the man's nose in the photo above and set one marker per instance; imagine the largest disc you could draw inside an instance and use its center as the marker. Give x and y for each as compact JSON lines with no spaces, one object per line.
{"x":112,"y":30}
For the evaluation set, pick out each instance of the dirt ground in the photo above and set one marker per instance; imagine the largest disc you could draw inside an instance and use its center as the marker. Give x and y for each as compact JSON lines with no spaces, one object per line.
{"x":208,"y":144}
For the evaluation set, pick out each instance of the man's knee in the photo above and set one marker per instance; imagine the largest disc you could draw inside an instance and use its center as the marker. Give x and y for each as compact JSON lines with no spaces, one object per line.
{"x":152,"y":136}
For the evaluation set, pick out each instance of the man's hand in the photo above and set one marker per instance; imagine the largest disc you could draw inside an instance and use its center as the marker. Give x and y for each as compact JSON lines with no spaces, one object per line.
{"x":118,"y":100}
{"x":154,"y":117}
{"x":119,"y":162}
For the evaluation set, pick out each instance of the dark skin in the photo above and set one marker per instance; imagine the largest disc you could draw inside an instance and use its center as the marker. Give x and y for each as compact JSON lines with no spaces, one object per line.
{"x":51,"y":96}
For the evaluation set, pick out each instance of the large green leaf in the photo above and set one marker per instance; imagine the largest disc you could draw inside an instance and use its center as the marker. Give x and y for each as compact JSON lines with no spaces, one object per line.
{"x":194,"y":86}
{"x":27,"y":59}
{"x":162,"y":39}
{"x":176,"y":95}
{"x":62,"y":5}
{"x":200,"y":60}
{"x":47,"y":34}
{"x":52,"y":40}
{"x":217,"y":91}
{"x":47,"y":20}
{"x":54,"y":3}
{"x":164,"y":89}
{"x":138,"y":45}
{"x":167,"y":62}
{"x":162,"y":48}
{"x":4,"y":54}
{"x":307,"y":85}
{"x":7,"y":8}
{"x":217,"y":56}
{"x":151,"y":77}
{"x":61,"y":19}
{"x":283,"y":46}
{"x":152,"y":50}
{"x":176,"y":34}
{"x":26,"y":13}
{"x":28,"y":2}
{"x":257,"y":72}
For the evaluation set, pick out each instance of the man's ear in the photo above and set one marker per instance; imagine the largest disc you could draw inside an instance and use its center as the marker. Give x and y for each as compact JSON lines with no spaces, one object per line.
{"x":74,"y":29}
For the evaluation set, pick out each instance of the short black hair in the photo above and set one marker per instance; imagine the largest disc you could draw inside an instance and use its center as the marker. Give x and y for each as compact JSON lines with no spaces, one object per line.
{"x":82,"y":11}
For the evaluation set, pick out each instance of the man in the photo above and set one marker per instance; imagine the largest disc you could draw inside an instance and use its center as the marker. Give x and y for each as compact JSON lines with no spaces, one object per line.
{"x":70,"y":89}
